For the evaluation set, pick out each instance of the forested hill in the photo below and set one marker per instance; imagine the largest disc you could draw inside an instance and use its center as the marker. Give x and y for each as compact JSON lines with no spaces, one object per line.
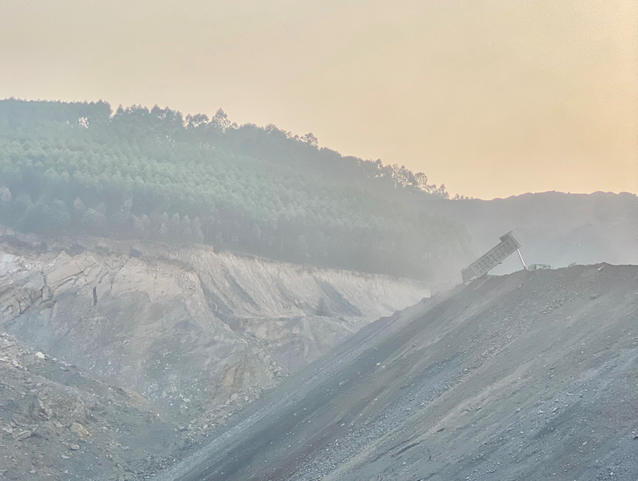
{"x":155,"y":174}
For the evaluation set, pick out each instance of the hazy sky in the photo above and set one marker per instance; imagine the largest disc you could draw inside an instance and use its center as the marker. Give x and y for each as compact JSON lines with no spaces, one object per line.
{"x":490,"y":97}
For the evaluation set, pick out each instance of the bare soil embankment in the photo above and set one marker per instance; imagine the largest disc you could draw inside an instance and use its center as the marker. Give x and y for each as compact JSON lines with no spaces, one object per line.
{"x":533,"y":375}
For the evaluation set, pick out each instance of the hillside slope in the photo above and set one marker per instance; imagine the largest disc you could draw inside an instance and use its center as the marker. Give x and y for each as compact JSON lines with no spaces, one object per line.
{"x":526,"y":376}
{"x":79,"y":168}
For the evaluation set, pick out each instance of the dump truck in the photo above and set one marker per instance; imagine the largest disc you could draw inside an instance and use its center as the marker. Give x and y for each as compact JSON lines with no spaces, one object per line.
{"x":508,"y":245}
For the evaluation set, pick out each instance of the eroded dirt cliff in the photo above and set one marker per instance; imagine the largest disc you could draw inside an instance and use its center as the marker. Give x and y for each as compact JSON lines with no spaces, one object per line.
{"x":188,"y":328}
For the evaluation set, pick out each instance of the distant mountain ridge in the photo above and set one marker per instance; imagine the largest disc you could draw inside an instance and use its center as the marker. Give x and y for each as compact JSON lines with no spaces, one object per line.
{"x":554,"y":227}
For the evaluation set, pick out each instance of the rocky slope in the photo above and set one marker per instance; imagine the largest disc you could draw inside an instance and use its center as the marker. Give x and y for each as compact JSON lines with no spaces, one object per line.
{"x":188,"y":328}
{"x":57,"y":423}
{"x":526,"y":376}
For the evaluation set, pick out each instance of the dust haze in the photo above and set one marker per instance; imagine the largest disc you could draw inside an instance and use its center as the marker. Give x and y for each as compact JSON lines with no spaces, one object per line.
{"x":296,"y":241}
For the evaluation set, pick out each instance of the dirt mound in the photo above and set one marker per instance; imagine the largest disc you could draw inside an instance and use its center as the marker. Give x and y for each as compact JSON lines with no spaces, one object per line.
{"x":526,"y":376}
